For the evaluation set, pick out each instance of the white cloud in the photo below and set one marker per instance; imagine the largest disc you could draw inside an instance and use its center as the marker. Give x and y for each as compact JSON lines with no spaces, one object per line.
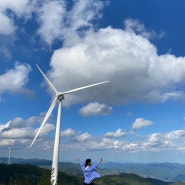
{"x":14,"y":80}
{"x":134,"y":25}
{"x":106,"y":143}
{"x":154,"y":137}
{"x":83,"y":12}
{"x":20,"y":8}
{"x":50,"y":17}
{"x":14,"y":124}
{"x":83,"y":137}
{"x":4,"y":126}
{"x":93,"y":144}
{"x":68,"y":132}
{"x":7,"y":142}
{"x":141,"y":122}
{"x":96,"y":108}
{"x":8,"y":25}
{"x":176,"y":134}
{"x":58,"y":22}
{"x":47,"y":129}
{"x":128,"y":60}
{"x":17,"y":133}
{"x":21,"y":132}
{"x":173,"y":140}
{"x":119,"y":133}
{"x":125,"y":57}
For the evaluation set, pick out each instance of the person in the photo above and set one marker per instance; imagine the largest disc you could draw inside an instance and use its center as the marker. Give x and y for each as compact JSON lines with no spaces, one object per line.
{"x":89,"y":171}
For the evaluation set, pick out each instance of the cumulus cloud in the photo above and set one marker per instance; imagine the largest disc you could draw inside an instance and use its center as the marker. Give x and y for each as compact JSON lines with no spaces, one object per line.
{"x":20,"y":8}
{"x":4,"y":126}
{"x":83,"y":12}
{"x":17,"y":133}
{"x":68,"y":132}
{"x":96,"y":108}
{"x":21,"y":132}
{"x":14,"y":80}
{"x":59,"y":22}
{"x":93,"y":143}
{"x":83,"y":137}
{"x":50,"y":17}
{"x":46,"y":129}
{"x":173,"y":140}
{"x":176,"y":134}
{"x":8,"y":25}
{"x":16,"y":123}
{"x":153,"y":142}
{"x":119,"y":133}
{"x":125,"y":57}
{"x":140,"y":123}
{"x":129,"y":61}
{"x":134,"y":25}
{"x":7,"y":142}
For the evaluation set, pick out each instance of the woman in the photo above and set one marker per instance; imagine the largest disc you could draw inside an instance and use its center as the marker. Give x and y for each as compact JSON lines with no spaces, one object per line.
{"x":89,"y":171}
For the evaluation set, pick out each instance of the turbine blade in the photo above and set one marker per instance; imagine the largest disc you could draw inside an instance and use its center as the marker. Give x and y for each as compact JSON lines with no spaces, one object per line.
{"x":45,"y":119}
{"x":84,"y":87}
{"x":47,"y":80}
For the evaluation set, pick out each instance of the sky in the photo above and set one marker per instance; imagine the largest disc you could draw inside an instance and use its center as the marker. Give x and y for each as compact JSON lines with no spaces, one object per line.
{"x":138,"y":46}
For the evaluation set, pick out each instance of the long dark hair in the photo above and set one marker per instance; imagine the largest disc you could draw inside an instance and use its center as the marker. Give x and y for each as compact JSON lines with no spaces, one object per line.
{"x":87,"y":162}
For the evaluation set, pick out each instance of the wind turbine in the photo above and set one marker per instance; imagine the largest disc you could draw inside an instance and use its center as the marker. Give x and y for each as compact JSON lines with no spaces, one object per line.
{"x":9,"y":154}
{"x":59,"y":96}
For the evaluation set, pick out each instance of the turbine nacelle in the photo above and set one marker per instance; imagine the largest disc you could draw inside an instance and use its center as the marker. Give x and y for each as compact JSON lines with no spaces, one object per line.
{"x":60,"y":96}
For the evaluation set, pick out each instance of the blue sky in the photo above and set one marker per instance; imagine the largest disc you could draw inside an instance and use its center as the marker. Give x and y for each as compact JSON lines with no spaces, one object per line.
{"x":139,"y":46}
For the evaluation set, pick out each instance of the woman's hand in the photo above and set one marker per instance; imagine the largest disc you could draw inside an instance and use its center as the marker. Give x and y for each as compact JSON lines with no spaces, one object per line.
{"x":101,"y":160}
{"x":78,"y":159}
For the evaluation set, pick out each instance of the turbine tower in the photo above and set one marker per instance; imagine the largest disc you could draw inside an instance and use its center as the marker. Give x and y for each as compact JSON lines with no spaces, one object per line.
{"x":59,"y":96}
{"x":9,"y":154}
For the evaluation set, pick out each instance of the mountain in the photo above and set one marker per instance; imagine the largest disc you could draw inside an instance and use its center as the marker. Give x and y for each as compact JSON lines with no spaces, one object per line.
{"x":163,"y":171}
{"x":130,"y":179}
{"x":168,"y":172}
{"x":34,"y":161}
{"x":25,"y":174}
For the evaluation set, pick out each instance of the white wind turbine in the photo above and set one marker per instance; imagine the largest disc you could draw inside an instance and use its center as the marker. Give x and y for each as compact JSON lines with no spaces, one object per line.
{"x":9,"y":154}
{"x":59,"y":96}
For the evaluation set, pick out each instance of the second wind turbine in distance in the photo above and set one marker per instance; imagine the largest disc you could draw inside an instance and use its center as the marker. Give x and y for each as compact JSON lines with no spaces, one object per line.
{"x":59,"y":96}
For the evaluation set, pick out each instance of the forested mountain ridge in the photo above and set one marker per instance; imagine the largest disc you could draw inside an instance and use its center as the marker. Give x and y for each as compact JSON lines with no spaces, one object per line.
{"x":24,"y":174}
{"x":164,"y":171}
{"x":132,"y":179}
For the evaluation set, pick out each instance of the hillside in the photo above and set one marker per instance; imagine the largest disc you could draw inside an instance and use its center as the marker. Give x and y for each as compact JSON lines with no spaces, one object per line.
{"x":129,"y":179}
{"x":24,"y":174}
{"x":162,"y":171}
{"x":169,"y":172}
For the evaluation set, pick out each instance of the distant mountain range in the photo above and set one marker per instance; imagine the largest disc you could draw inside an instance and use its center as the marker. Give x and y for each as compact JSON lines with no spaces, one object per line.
{"x":168,"y":172}
{"x":162,"y":171}
{"x":26,"y":174}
